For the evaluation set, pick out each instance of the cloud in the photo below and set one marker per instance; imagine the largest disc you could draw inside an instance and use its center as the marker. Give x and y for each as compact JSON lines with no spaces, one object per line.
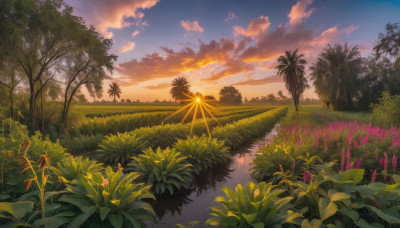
{"x":231,"y":17}
{"x":262,"y":81}
{"x":256,"y":26}
{"x":299,"y":12}
{"x":107,"y":14}
{"x":135,"y":33}
{"x":158,"y":86}
{"x":192,"y":26}
{"x":331,"y":34}
{"x":129,"y":46}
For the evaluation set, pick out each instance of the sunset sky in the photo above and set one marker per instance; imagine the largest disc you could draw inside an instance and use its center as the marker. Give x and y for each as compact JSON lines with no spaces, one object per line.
{"x":214,"y":43}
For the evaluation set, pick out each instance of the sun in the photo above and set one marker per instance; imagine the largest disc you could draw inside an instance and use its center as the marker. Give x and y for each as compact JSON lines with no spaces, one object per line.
{"x":196,"y":103}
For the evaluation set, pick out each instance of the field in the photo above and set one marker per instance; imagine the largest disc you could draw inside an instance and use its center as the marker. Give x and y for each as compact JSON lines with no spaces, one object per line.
{"x":325,"y":168}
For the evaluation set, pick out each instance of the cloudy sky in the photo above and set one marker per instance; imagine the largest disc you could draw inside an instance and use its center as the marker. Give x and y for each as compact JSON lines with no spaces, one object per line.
{"x":214,"y":43}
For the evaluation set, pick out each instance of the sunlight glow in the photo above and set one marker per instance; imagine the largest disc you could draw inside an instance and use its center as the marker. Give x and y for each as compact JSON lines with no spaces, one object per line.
{"x":196,"y":103}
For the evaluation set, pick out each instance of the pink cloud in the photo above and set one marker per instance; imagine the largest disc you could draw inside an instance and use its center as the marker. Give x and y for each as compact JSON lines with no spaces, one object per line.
{"x":129,"y":46}
{"x":299,"y":12}
{"x":135,"y":33}
{"x":331,"y":34}
{"x":106,"y":14}
{"x":256,"y":26}
{"x":262,"y":81}
{"x":192,"y":26}
{"x":231,"y":17}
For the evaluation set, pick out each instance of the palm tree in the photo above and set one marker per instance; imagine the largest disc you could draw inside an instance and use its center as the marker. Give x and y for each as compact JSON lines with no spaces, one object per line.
{"x":291,"y":67}
{"x":180,"y":89}
{"x":114,"y":91}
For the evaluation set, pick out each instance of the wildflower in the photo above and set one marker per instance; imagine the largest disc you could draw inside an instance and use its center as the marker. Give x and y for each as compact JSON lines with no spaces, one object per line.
{"x":355,"y":145}
{"x":342,"y":162}
{"x":105,"y":182}
{"x":307,"y":176}
{"x":348,"y":159}
{"x":374,"y":175}
{"x":385,"y":166}
{"x":394,"y":162}
{"x":44,"y":161}
{"x":381,"y":161}
{"x":359,"y":163}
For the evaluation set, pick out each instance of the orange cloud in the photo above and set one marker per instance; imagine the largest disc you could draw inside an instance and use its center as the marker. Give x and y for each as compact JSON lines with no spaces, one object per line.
{"x":331,"y":34}
{"x":262,"y":81}
{"x":256,"y":26}
{"x":299,"y":12}
{"x":135,"y":33}
{"x":129,"y":46}
{"x":192,"y":26}
{"x":106,"y":14}
{"x":158,"y":86}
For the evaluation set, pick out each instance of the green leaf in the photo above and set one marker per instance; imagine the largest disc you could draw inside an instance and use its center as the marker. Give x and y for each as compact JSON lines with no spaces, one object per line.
{"x":249,"y":217}
{"x":17,"y":209}
{"x":353,"y":175}
{"x":326,"y":208}
{"x":340,"y":196}
{"x":116,"y":220}
{"x":104,"y":212}
{"x":81,"y":219}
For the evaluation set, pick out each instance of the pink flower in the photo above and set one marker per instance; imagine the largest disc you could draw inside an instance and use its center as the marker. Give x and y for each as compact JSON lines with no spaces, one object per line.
{"x":394,"y":163}
{"x":381,"y":161}
{"x":374,"y":175}
{"x":348,"y":159}
{"x":359,"y":163}
{"x":376,"y":156}
{"x":342,"y":162}
{"x":307,"y":176}
{"x":385,"y":166}
{"x":355,"y":145}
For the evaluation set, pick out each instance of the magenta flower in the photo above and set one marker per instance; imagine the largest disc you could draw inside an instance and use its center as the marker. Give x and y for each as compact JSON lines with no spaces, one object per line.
{"x":385,"y":166}
{"x":307,"y":176}
{"x":348,"y":159}
{"x":342,"y":162}
{"x":381,"y":161}
{"x":355,"y":145}
{"x":374,"y":175}
{"x":394,"y":163}
{"x":359,"y":163}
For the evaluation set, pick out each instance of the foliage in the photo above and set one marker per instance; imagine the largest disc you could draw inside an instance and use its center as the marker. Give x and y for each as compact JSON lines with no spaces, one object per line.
{"x":163,"y":169}
{"x":389,"y":43}
{"x":387,"y":111}
{"x":291,"y":66}
{"x":203,"y":152}
{"x":244,"y":130}
{"x":71,"y":168}
{"x":119,"y":148}
{"x":255,"y":205}
{"x":230,"y":95}
{"x":336,"y":76}
{"x":113,"y":199}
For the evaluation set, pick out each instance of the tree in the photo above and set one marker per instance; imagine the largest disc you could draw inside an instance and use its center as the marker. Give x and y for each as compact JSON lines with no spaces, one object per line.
{"x":291,"y":67}
{"x":209,"y":98}
{"x":114,"y":91}
{"x":180,"y":89}
{"x":389,"y":43}
{"x":230,"y":95}
{"x":9,"y":78}
{"x":336,"y":75}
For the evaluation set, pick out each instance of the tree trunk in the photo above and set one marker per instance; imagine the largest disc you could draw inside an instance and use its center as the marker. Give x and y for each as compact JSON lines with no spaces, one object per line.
{"x":42,"y":108}
{"x":114,"y":100}
{"x":11,"y":104}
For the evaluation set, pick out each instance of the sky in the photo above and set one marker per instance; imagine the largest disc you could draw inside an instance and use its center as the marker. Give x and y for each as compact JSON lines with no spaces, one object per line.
{"x":215,"y":43}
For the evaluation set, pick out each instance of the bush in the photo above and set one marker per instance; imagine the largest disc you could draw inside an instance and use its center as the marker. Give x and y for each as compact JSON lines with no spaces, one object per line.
{"x":71,"y":168}
{"x":203,"y":152}
{"x":164,"y":169}
{"x":113,"y":200}
{"x":255,"y":205}
{"x":387,"y":111}
{"x":118,"y":148}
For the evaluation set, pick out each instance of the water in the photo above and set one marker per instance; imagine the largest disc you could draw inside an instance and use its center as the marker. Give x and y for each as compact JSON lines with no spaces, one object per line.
{"x":194,"y":204}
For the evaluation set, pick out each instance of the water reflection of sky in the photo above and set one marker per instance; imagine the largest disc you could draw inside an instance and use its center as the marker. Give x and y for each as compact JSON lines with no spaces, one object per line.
{"x":194,"y":205}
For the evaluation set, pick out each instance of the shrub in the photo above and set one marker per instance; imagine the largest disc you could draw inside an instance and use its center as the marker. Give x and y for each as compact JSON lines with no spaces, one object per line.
{"x":111,"y":200}
{"x":387,"y":111}
{"x":118,"y":148}
{"x":70,"y":168}
{"x":203,"y":152}
{"x":164,"y":169}
{"x":255,"y":205}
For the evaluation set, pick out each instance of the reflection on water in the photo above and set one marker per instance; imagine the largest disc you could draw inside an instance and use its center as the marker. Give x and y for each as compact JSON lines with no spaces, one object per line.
{"x":194,"y":204}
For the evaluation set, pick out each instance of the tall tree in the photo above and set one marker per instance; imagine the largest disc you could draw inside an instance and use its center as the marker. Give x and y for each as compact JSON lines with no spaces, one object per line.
{"x":389,"y":43}
{"x":180,"y":89}
{"x":86,"y":67}
{"x":336,"y":75}
{"x":230,"y":95}
{"x":9,"y":78}
{"x":114,"y":91}
{"x":291,"y":67}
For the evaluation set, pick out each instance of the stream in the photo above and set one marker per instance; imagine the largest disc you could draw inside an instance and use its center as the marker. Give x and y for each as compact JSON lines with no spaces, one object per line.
{"x":194,"y":203}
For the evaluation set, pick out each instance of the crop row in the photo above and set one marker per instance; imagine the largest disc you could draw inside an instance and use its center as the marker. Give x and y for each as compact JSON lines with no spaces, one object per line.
{"x":129,"y":122}
{"x":91,"y":111}
{"x":160,"y":135}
